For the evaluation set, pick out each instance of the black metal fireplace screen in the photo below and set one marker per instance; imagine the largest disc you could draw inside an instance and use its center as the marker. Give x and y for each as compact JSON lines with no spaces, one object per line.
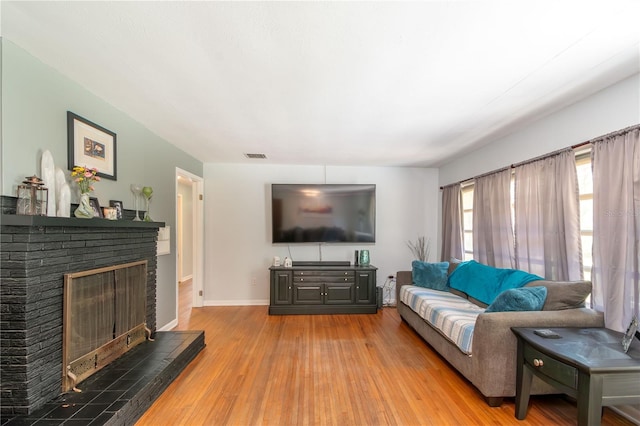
{"x":104,"y":317}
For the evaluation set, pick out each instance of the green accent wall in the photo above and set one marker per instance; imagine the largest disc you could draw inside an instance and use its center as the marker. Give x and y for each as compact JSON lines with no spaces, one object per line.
{"x":35,"y":101}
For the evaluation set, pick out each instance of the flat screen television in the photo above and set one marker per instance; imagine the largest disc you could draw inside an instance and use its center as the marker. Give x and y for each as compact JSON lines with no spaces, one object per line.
{"x":329,"y":213}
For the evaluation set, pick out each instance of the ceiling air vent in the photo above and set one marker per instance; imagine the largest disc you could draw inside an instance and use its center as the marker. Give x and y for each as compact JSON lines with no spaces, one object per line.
{"x":256,"y":156}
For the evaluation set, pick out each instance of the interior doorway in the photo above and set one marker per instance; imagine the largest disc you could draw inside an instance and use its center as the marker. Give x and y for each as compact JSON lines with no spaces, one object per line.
{"x":189,"y":243}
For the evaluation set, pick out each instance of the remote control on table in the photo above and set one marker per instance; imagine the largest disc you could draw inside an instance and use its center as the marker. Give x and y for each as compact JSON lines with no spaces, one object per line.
{"x":547,"y":334}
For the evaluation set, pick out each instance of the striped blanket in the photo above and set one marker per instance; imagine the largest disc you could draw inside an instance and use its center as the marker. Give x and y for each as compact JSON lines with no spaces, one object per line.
{"x":453,"y":316}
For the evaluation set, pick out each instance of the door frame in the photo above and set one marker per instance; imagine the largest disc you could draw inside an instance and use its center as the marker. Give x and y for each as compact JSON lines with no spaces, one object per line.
{"x":197,"y":196}
{"x":179,"y":236}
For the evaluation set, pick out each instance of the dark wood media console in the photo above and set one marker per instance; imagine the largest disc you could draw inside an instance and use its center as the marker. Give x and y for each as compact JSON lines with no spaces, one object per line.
{"x":323,"y":288}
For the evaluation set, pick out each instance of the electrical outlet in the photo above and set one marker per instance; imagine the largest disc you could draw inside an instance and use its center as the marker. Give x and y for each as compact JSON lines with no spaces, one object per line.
{"x":253,"y":282}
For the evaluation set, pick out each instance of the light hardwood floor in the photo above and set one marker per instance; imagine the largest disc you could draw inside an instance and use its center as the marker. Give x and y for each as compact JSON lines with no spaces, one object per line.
{"x":328,"y":370}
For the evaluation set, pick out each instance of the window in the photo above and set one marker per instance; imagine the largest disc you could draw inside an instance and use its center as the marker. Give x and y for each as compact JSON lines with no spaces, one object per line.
{"x":585,"y":188}
{"x":467,"y":219}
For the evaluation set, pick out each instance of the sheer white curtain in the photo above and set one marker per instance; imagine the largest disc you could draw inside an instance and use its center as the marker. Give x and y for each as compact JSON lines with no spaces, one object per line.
{"x":616,"y":227}
{"x":452,"y":241}
{"x":492,"y":229}
{"x":547,"y":218}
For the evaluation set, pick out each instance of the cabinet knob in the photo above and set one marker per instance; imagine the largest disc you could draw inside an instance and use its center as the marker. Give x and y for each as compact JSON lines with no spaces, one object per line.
{"x":301,"y":279}
{"x":538,"y":362}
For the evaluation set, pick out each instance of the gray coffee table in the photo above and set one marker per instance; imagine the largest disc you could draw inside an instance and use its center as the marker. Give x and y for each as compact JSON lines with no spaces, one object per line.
{"x":585,"y":363}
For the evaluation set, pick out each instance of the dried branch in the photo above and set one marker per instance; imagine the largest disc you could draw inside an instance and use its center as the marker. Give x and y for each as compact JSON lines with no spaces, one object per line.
{"x":421,"y":248}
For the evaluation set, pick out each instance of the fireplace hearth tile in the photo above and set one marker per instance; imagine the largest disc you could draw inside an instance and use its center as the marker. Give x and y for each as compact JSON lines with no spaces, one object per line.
{"x":91,"y":411}
{"x":121,"y":392}
{"x":82,"y":397}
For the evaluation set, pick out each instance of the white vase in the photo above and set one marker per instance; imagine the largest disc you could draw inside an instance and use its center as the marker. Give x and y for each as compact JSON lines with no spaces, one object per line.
{"x":64,"y":201}
{"x":84,"y":210}
{"x":48,"y":176}
{"x":63,"y":194}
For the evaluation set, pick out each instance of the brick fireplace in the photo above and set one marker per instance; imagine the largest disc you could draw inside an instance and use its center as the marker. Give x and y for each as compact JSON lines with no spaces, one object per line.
{"x":35,"y":253}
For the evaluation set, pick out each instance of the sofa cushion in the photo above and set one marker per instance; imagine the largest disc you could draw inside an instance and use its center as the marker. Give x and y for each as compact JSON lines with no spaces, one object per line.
{"x":453,"y":264}
{"x":477,"y":302}
{"x":458,"y":293}
{"x":430,"y":275}
{"x":519,"y":299}
{"x":564,"y":294}
{"x":485,"y":283}
{"x":452,"y":316}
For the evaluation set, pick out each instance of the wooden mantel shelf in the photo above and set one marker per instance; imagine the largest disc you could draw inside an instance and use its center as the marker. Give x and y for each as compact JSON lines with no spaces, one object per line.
{"x":23,"y":220}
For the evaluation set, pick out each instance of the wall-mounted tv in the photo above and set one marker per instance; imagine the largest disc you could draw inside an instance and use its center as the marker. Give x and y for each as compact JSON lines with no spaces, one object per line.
{"x":329,"y":213}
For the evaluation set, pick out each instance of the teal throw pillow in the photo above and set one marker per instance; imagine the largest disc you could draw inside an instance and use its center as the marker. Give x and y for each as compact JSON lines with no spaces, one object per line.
{"x":430,"y":275}
{"x":519,"y":299}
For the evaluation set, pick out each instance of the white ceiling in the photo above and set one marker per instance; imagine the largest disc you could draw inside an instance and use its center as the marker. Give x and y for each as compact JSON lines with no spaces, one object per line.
{"x":371,"y":83}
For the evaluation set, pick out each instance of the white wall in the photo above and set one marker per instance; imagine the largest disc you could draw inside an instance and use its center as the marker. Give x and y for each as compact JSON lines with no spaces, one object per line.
{"x":238,"y":248}
{"x":611,"y":109}
{"x":35,"y":101}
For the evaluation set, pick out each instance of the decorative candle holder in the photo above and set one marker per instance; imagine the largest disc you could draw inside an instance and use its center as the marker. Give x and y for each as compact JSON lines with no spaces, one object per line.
{"x":33,"y":197}
{"x":137,"y":191}
{"x":147,"y":192}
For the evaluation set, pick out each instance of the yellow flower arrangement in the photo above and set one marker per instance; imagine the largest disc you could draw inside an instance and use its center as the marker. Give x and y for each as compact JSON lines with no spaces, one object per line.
{"x":85,"y":177}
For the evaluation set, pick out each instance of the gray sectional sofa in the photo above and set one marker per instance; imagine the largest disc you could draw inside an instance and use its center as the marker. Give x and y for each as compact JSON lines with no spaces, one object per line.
{"x":491,"y":367}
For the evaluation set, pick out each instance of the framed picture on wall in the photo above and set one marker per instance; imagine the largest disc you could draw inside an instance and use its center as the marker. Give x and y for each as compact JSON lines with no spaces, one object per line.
{"x":91,"y":145}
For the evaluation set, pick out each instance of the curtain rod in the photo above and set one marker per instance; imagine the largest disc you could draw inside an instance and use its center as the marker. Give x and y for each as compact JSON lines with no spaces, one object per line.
{"x":615,"y":133}
{"x":578,"y":145}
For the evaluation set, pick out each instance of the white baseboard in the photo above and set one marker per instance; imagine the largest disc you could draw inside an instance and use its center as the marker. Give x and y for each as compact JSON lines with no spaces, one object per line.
{"x":629,"y":412}
{"x":187,"y":278}
{"x":236,"y":302}
{"x":173,"y":324}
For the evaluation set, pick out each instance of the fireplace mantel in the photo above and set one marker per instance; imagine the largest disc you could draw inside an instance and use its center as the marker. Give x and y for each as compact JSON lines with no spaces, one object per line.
{"x":24,"y":220}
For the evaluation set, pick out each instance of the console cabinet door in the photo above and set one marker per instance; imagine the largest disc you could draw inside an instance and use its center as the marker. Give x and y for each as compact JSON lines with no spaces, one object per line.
{"x":308,"y":293}
{"x":365,"y":287}
{"x":281,"y":283}
{"x":339,"y":293}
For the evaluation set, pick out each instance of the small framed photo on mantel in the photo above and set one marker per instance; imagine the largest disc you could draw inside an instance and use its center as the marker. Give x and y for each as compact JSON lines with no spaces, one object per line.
{"x":118,"y":206}
{"x":95,"y":205}
{"x":91,"y":145}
